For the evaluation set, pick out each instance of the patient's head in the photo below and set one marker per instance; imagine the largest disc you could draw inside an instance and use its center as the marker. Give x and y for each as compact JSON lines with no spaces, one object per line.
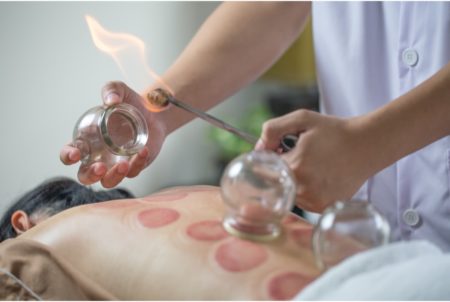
{"x":50,"y":198}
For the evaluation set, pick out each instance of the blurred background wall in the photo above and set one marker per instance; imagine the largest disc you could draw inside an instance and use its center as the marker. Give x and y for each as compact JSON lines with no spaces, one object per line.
{"x":51,"y":72}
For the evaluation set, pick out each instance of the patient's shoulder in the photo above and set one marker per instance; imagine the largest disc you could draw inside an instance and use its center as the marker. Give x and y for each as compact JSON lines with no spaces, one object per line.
{"x":83,"y":220}
{"x":197,"y":188}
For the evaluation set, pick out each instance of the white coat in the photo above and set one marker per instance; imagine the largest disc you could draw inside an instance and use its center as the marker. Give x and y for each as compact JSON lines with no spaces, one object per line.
{"x":367,"y":54}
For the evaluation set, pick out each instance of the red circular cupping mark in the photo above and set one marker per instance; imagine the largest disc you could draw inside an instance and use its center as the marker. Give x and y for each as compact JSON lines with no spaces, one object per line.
{"x":239,"y":255}
{"x":155,"y":218}
{"x":167,"y":197}
{"x":286,"y":285}
{"x":207,"y":230}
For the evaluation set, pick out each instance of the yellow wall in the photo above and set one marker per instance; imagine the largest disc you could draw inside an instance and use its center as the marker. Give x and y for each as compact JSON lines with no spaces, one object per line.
{"x":296,"y":67}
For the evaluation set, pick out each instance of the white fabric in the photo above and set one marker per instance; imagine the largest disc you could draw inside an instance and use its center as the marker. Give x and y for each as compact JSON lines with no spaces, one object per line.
{"x":368,"y":54}
{"x":415,"y":270}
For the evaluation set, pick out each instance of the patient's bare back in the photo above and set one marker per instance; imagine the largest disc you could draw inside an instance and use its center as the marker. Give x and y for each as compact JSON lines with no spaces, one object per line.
{"x":171,"y":245}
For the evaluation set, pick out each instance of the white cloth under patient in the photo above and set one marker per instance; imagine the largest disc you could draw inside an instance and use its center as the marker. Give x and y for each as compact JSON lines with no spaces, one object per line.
{"x":415,"y":270}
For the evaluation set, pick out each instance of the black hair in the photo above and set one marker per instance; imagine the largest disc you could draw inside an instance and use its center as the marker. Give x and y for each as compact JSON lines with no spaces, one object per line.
{"x":54,"y":196}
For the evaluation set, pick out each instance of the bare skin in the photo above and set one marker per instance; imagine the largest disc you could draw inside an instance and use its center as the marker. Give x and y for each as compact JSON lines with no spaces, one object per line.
{"x":331,"y":158}
{"x":171,"y":245}
{"x":226,"y":54}
{"x":335,"y":156}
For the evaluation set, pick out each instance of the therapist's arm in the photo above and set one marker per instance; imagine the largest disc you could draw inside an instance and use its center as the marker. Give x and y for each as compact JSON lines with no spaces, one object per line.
{"x":234,"y":46}
{"x":413,"y":120}
{"x":335,"y":156}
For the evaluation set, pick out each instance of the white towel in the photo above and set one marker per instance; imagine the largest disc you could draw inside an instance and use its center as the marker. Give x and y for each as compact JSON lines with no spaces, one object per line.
{"x":415,"y":270}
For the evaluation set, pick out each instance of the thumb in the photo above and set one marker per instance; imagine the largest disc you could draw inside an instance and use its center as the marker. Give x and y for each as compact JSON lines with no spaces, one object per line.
{"x":114,"y":93}
{"x":275,"y":129}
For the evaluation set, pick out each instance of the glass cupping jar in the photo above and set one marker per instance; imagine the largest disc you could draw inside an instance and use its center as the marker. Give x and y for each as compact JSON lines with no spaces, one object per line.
{"x":258,"y":189}
{"x":110,"y":134}
{"x":346,"y":228}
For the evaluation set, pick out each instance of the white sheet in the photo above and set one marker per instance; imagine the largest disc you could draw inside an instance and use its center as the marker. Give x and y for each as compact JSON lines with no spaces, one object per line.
{"x":415,"y":270}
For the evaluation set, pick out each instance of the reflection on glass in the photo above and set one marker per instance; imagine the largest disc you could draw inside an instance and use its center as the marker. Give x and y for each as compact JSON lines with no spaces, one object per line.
{"x":258,"y":190}
{"x":110,"y":134}
{"x":346,"y":228}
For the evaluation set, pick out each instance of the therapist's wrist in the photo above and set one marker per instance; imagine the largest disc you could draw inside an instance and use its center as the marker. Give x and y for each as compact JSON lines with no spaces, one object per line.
{"x":411,"y":121}
{"x":378,"y":140}
{"x":363,"y":145}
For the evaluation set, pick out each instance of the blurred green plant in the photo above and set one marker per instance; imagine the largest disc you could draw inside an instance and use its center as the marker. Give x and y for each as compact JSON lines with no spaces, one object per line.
{"x":230,"y":145}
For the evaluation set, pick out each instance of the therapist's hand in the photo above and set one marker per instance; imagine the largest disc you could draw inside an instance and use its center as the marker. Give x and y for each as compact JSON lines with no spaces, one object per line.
{"x":331,"y":159}
{"x":113,"y":93}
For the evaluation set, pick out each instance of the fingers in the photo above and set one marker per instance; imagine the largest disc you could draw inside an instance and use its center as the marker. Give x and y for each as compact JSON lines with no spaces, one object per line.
{"x":115,"y":175}
{"x":69,"y":155}
{"x":89,"y":174}
{"x":138,"y":162}
{"x":275,"y":129}
{"x":114,"y":93}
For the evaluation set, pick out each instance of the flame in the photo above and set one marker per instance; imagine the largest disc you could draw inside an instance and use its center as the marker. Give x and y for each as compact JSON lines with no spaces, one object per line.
{"x":128,"y":52}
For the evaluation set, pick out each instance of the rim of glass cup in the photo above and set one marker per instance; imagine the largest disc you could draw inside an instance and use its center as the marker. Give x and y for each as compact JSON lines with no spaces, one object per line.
{"x":137,"y":121}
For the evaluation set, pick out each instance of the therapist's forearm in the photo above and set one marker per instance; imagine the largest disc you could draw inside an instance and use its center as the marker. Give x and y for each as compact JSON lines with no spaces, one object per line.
{"x":237,"y":43}
{"x":410,"y":122}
